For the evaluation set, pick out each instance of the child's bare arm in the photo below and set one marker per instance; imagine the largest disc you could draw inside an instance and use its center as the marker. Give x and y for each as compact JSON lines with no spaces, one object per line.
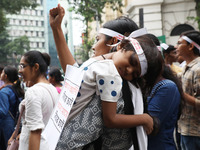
{"x":113,"y":120}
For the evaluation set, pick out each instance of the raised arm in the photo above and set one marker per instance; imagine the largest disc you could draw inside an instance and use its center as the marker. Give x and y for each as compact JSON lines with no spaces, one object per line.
{"x":65,"y":56}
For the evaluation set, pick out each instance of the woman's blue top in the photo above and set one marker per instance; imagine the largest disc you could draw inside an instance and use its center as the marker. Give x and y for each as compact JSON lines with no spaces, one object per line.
{"x":163,"y":103}
{"x":7,"y":102}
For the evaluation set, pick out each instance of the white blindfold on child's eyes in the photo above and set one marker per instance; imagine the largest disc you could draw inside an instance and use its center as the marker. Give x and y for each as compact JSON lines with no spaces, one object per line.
{"x":134,"y":42}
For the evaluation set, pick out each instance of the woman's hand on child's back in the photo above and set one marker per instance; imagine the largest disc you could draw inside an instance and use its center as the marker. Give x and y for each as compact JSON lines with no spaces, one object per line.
{"x":148,"y":126}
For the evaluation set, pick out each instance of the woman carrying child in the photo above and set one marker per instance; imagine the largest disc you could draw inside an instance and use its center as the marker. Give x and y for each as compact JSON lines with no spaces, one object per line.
{"x":135,"y":70}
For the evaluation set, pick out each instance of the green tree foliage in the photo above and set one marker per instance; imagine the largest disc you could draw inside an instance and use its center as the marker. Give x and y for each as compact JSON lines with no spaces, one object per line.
{"x":12,"y":49}
{"x":198,"y":12}
{"x":19,"y":45}
{"x":90,"y":10}
{"x":13,"y":7}
{"x":197,"y":18}
{"x":3,"y":51}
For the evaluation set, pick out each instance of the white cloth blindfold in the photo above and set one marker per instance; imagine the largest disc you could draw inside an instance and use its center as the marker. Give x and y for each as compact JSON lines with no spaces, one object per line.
{"x":134,"y":42}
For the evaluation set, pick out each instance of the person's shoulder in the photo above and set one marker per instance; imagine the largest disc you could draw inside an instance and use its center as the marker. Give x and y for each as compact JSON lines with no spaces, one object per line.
{"x":195,"y":66}
{"x":6,"y":90}
{"x":40,"y":88}
{"x":37,"y":87}
{"x":94,"y":64}
{"x":167,"y":83}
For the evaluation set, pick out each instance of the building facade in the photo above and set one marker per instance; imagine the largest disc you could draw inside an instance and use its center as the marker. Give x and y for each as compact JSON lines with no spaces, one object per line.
{"x":167,"y":18}
{"x":33,"y":24}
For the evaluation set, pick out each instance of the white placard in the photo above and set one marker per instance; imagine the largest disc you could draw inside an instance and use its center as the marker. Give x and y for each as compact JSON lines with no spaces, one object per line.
{"x":52,"y":131}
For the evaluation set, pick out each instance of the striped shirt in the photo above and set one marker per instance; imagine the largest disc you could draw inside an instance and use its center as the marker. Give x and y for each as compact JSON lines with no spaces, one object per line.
{"x":189,"y":122}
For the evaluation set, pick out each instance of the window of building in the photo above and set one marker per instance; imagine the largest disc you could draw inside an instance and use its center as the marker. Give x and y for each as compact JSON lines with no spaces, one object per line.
{"x":42,"y":23}
{"x":28,"y":12}
{"x":180,"y":28}
{"x":40,"y":45}
{"x":39,"y":23}
{"x":37,"y":44}
{"x":34,"y":44}
{"x":33,"y":22}
{"x":10,"y":21}
{"x":23,"y":22}
{"x":16,"y":22}
{"x":25,"y":12}
{"x":34,"y":33}
{"x":42,"y":33}
{"x":33,"y":12}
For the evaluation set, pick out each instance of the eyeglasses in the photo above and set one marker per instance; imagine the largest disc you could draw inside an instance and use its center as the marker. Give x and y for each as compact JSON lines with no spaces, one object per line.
{"x":22,"y":66}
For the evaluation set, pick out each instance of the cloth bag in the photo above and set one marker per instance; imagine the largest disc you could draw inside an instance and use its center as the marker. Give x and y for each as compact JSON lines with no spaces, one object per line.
{"x":14,"y":144}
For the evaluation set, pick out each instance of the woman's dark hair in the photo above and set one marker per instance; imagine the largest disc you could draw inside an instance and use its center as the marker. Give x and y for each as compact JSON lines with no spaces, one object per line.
{"x":12,"y":75}
{"x":154,"y":60}
{"x":169,"y":49}
{"x":122,"y":25}
{"x":153,"y":38}
{"x":1,"y":68}
{"x":56,"y":73}
{"x":43,"y":59}
{"x":194,"y":36}
{"x":169,"y":74}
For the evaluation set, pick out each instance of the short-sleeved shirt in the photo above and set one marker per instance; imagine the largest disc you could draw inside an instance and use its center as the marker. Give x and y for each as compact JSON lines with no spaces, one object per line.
{"x":189,"y":122}
{"x":102,"y":78}
{"x":39,"y":104}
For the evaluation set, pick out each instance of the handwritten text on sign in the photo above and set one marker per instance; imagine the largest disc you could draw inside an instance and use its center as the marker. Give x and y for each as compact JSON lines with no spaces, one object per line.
{"x":52,"y":131}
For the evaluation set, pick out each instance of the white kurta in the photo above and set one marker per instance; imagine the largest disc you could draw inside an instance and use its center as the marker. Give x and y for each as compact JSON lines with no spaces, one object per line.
{"x":39,"y":101}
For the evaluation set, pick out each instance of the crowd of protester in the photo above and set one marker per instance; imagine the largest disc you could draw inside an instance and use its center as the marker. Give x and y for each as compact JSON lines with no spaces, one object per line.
{"x":147,"y":94}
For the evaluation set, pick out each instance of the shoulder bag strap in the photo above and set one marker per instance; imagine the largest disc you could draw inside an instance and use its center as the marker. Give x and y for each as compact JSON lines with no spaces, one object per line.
{"x":18,"y":122}
{"x":17,"y":98}
{"x":11,"y":115}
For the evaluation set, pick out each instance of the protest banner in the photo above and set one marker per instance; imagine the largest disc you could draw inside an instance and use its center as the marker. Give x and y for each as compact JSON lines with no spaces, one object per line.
{"x":72,"y":82}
